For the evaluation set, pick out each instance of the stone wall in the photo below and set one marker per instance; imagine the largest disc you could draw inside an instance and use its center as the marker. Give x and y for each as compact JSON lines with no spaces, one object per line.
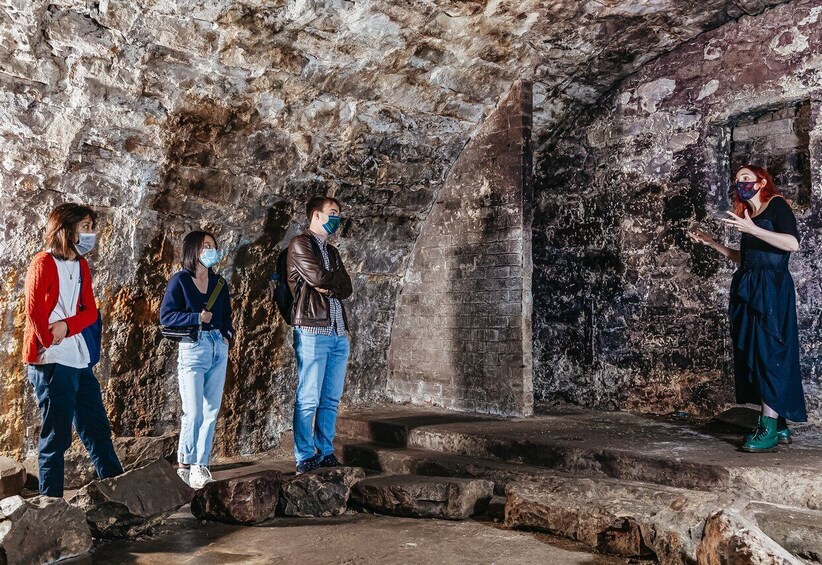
{"x":170,"y":115}
{"x":173,"y":116}
{"x":462,"y":332}
{"x":628,"y":313}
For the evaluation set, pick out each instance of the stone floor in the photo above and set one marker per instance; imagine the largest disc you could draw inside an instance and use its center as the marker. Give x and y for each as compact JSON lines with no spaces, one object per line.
{"x":669,"y":451}
{"x":350,"y":539}
{"x":358,"y":538}
{"x":609,"y":454}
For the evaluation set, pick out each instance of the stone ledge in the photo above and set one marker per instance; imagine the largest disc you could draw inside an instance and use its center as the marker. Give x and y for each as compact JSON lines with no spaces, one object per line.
{"x":604,"y":444}
{"x":616,"y":517}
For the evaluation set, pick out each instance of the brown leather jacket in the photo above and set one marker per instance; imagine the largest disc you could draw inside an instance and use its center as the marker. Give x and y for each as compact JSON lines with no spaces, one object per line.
{"x":306,"y":273}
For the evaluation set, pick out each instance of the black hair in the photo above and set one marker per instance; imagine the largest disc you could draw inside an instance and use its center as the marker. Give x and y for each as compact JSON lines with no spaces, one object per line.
{"x":192,"y":245}
{"x":317,"y":204}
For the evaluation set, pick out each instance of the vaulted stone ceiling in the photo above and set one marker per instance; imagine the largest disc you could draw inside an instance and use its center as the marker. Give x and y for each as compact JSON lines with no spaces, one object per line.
{"x":225,"y":115}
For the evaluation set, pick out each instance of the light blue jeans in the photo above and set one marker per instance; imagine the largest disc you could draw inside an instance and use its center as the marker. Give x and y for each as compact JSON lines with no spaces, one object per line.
{"x":201,"y":370}
{"x":321,"y":365}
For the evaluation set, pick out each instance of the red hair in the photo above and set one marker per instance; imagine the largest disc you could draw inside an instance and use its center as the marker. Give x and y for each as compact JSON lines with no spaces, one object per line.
{"x":765,"y":194}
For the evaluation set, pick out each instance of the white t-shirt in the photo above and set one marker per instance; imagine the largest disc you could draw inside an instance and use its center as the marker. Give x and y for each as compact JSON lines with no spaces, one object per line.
{"x":72,"y":351}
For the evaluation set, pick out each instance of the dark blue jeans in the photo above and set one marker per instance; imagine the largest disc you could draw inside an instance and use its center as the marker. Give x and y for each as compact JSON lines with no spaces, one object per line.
{"x":66,"y":394}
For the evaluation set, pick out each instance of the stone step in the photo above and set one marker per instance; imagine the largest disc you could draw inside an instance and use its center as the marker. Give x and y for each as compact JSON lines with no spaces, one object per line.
{"x":629,"y":518}
{"x":796,"y":529}
{"x":392,"y":426}
{"x":616,"y":517}
{"x":423,"y":496}
{"x":617,"y":445}
{"x":391,"y":460}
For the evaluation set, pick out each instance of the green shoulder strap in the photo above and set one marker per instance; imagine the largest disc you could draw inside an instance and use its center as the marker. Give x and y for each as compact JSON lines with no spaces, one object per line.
{"x":214,"y":294}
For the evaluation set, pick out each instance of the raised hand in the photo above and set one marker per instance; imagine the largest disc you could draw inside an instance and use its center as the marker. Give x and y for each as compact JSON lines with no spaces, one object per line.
{"x":699,"y":236}
{"x":743,"y":224}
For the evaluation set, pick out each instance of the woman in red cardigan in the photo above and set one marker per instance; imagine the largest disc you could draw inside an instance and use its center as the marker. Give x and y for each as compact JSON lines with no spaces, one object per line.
{"x":59,"y":306}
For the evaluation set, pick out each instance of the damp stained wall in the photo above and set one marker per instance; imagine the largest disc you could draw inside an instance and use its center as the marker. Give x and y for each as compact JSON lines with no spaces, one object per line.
{"x":628,"y":312}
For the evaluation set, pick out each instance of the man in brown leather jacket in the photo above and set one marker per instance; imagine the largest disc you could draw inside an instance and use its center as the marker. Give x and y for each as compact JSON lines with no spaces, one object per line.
{"x":319,"y":283}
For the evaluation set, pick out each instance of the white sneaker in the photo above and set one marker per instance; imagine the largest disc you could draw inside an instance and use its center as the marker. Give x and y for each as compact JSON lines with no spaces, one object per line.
{"x":200,"y":476}
{"x":184,"y":473}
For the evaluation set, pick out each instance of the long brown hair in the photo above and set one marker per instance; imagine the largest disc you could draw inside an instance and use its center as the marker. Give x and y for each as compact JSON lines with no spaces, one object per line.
{"x":765,"y":194}
{"x":61,"y":229}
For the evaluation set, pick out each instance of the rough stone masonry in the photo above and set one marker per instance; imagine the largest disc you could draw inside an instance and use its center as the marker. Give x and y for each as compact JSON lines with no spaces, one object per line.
{"x":226,"y":115}
{"x":628,"y":313}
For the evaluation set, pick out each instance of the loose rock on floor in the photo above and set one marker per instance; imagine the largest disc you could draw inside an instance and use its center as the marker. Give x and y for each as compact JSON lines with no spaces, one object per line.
{"x":730,"y":538}
{"x":248,"y":499}
{"x":42,"y":529}
{"x":12,"y":477}
{"x":134,"y":452}
{"x":133,"y":502}
{"x":323,"y":492}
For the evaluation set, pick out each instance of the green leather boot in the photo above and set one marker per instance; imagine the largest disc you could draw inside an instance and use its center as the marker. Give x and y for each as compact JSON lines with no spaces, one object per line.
{"x":782,"y":432}
{"x":764,"y":439}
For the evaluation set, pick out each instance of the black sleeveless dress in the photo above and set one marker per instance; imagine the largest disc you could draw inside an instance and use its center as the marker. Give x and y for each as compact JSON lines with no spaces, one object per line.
{"x":763,"y":320}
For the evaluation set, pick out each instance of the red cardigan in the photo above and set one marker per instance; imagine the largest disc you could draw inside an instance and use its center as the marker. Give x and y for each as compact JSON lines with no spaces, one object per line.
{"x":42,"y":292}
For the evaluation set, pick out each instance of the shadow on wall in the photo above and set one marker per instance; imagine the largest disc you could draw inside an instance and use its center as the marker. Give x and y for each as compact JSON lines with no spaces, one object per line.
{"x":253,"y":396}
{"x":139,"y":362}
{"x":208,"y":144}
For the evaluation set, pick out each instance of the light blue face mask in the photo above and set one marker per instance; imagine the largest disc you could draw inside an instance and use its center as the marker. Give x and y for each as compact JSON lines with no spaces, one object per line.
{"x":332,"y":225}
{"x":86,"y":243}
{"x":209,"y":257}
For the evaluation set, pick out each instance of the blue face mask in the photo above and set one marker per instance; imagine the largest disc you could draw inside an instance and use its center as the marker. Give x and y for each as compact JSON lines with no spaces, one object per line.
{"x":332,"y":225}
{"x":86,"y":243}
{"x":745,"y":190}
{"x":209,"y":257}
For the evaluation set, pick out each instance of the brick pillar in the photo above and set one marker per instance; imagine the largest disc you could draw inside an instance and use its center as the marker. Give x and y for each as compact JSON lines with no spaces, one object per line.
{"x":462,"y":329}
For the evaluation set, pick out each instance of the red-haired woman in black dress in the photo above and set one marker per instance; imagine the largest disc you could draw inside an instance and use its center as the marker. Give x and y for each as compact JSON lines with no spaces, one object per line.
{"x":763,"y":307}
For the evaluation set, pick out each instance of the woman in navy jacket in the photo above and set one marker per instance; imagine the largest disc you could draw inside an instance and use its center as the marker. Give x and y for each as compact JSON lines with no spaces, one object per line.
{"x":202,"y":364}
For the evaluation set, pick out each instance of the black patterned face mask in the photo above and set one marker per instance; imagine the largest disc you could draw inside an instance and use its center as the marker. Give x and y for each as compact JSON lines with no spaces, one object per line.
{"x":745,"y":190}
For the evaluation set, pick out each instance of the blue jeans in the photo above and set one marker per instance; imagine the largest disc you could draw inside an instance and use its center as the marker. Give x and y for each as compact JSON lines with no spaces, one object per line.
{"x":321,"y":364}
{"x":201,"y":370}
{"x":66,"y":395}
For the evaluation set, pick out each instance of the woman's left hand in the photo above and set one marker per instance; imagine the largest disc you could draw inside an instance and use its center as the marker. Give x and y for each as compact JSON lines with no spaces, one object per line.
{"x":59,"y":331}
{"x":742,"y":224}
